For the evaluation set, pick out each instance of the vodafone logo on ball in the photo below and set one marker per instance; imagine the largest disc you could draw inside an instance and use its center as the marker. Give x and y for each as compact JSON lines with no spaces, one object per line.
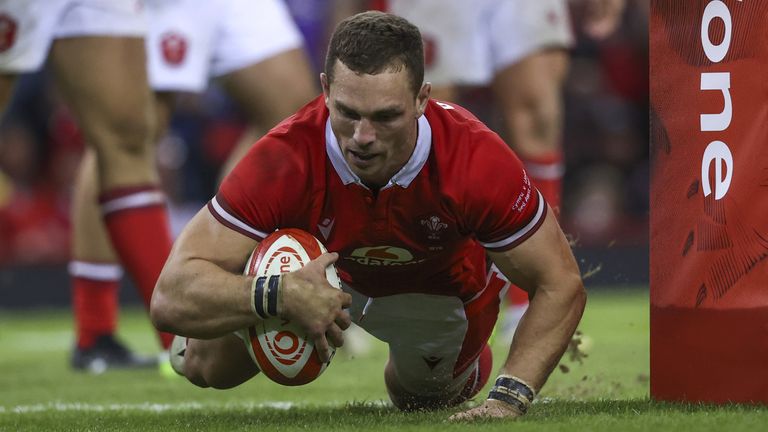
{"x":287,"y":258}
{"x":174,"y":48}
{"x":286,"y":347}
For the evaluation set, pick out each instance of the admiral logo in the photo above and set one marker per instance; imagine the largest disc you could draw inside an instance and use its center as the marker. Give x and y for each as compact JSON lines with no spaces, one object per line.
{"x":432,"y":361}
{"x":434,"y":225}
{"x":382,"y":256}
{"x":325,"y":227}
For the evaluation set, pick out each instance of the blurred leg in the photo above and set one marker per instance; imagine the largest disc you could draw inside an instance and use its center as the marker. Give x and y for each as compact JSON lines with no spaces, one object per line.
{"x":104,"y":80}
{"x":529,"y":93}
{"x":94,"y":269}
{"x":7,"y":83}
{"x":269,"y":92}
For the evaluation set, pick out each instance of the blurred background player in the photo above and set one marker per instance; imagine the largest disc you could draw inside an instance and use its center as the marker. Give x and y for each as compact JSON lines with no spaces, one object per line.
{"x":95,"y":49}
{"x":254,"y":50}
{"x":519,"y":49}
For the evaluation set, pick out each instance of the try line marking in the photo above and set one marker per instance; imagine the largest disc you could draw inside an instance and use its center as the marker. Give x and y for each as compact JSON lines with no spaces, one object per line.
{"x":159,"y":408}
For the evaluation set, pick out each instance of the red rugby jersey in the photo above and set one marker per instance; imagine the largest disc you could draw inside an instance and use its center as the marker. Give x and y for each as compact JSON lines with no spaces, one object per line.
{"x":462,"y":189}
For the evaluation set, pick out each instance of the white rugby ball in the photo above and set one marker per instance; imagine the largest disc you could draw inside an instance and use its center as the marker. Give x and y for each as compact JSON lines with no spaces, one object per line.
{"x":279,"y":347}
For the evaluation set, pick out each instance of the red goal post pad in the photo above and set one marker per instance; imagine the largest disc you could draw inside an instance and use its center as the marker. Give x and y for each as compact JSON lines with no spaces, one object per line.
{"x":709,"y":200}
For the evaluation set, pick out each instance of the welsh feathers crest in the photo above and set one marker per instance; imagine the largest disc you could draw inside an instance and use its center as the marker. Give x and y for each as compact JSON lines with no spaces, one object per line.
{"x":434,"y":225}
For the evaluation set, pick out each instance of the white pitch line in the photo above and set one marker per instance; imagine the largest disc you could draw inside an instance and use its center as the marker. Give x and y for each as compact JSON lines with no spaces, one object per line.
{"x":143,"y":407}
{"x":182,"y":406}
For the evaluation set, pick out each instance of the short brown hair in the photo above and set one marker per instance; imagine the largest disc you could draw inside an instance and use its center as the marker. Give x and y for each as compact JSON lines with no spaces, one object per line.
{"x":373,"y":42}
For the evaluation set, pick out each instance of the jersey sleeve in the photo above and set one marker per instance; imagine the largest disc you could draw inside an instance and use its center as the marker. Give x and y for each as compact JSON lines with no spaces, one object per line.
{"x":266,"y":190}
{"x":503,"y":207}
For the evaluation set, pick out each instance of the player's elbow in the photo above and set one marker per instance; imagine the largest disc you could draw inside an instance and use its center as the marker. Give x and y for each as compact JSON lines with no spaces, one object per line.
{"x":575,"y":289}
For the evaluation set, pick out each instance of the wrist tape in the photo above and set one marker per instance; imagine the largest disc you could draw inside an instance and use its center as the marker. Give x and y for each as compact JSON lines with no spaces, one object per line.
{"x":514,"y":391}
{"x":264,"y":296}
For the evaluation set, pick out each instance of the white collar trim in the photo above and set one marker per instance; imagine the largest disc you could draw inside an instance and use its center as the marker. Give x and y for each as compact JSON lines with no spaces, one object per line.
{"x":402,"y":178}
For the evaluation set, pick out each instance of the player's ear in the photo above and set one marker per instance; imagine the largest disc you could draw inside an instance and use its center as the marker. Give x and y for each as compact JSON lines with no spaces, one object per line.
{"x":423,"y":97}
{"x":325,"y":86}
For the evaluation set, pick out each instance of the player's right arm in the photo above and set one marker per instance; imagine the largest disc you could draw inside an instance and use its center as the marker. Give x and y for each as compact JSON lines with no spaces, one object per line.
{"x":201,"y":292}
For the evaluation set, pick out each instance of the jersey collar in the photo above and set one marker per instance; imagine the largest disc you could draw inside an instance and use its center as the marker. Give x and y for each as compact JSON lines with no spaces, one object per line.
{"x":402,"y":178}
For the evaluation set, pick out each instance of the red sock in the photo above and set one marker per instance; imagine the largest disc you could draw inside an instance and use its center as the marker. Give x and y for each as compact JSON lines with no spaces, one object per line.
{"x":479,"y":377}
{"x":137,"y":221}
{"x":94,"y":299}
{"x":546,"y":172}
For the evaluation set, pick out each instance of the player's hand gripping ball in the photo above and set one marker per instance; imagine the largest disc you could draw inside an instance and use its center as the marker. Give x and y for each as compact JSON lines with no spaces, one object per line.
{"x":279,"y":347}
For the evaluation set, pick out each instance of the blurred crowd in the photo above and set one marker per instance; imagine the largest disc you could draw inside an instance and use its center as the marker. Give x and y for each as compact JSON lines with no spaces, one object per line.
{"x":605,"y":141}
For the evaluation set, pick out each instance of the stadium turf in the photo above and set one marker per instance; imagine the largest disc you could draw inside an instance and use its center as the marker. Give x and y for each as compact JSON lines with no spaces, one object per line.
{"x":607,"y":391}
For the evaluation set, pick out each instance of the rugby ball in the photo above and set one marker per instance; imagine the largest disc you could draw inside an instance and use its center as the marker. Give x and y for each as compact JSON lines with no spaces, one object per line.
{"x":279,"y":347}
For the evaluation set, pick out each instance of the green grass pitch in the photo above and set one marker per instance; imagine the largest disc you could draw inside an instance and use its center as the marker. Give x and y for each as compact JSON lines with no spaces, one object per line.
{"x":608,"y":391}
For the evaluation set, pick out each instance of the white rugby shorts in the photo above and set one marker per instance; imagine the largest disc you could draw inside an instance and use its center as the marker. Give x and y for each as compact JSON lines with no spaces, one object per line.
{"x":191,"y":41}
{"x":467,"y":42}
{"x":434,"y":341}
{"x":28,"y":27}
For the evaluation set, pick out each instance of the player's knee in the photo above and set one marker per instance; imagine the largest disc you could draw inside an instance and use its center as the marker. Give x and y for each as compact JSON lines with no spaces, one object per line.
{"x":202,"y":370}
{"x":216,"y":369}
{"x":124,"y":132}
{"x":193,"y":370}
{"x":409,"y":402}
{"x":404,"y":400}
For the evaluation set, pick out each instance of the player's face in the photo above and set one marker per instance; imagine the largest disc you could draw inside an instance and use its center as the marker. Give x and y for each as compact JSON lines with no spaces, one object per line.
{"x":374,"y":118}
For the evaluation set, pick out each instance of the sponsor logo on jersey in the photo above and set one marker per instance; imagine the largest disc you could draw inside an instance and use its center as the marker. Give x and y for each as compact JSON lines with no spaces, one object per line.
{"x":174,"y":48}
{"x":434,"y":226}
{"x":382,"y":256}
{"x":7,"y":32}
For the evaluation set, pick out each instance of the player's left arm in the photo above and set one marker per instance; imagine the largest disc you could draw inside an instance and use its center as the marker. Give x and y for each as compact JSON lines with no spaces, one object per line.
{"x":544,"y":266}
